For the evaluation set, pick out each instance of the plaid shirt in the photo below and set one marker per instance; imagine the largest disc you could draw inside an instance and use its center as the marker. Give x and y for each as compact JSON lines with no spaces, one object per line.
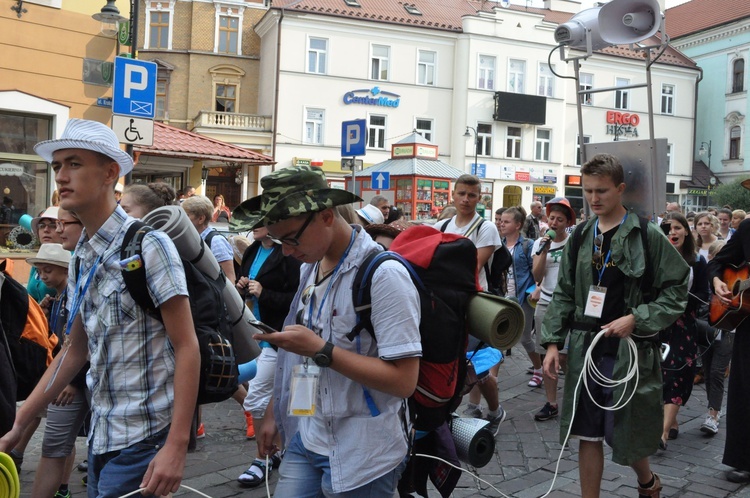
{"x":132,"y":362}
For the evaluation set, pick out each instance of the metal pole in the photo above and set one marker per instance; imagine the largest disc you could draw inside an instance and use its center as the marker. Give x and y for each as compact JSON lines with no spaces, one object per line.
{"x":134,"y":12}
{"x":652,"y":135}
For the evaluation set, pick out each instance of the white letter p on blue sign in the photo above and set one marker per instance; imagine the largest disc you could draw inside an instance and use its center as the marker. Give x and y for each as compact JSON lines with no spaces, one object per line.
{"x":130,"y":83}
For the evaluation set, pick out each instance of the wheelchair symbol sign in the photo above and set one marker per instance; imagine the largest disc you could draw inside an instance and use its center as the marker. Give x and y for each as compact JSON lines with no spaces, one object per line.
{"x":134,"y":131}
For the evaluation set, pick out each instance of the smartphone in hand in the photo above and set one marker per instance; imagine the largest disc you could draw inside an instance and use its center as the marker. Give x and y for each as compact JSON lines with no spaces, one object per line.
{"x":265,"y":329}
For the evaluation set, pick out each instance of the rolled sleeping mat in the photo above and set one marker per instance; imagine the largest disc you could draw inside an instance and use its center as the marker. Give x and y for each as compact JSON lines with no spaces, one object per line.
{"x":174,"y":222}
{"x":475,"y":444}
{"x":495,"y":320}
{"x":248,"y":371}
{"x":10,"y":484}
{"x":245,"y":346}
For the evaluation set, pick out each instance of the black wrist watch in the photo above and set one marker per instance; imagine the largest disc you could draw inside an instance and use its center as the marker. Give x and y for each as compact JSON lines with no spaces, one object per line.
{"x":324,"y":357}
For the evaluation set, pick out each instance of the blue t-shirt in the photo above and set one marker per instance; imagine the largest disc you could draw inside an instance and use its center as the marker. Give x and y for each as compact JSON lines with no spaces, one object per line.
{"x":260,"y":257}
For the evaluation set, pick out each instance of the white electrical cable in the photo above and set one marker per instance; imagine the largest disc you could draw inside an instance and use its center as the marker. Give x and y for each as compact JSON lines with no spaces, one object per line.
{"x":181,"y":485}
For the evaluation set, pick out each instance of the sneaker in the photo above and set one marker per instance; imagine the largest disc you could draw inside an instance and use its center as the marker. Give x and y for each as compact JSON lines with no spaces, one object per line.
{"x":61,"y":494}
{"x":651,"y":492}
{"x":546,"y":413}
{"x":201,"y":432}
{"x":83,"y":466}
{"x":250,"y":428}
{"x":494,"y":422}
{"x":536,"y":380}
{"x":473,"y":412}
{"x":17,"y":459}
{"x":710,"y":426}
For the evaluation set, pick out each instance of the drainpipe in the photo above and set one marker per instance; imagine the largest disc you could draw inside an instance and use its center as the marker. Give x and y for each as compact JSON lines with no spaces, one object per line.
{"x":276,"y":91}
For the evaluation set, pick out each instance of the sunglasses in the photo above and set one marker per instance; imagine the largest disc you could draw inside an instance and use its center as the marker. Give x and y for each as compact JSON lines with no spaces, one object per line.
{"x":597,"y":256}
{"x":45,"y":225}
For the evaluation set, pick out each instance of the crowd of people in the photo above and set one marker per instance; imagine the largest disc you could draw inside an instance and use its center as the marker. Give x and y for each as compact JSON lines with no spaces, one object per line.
{"x":601,"y":297}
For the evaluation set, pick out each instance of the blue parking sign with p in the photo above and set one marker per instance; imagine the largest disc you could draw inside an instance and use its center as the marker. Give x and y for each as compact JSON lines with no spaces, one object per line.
{"x":353,"y":138}
{"x":134,"y":88}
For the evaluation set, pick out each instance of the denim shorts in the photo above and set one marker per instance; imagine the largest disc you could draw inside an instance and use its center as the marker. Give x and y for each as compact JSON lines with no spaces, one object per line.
{"x":120,"y":472}
{"x":304,"y":474}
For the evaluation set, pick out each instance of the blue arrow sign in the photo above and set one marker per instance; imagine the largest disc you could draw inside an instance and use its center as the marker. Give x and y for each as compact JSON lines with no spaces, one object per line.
{"x":381,"y":180}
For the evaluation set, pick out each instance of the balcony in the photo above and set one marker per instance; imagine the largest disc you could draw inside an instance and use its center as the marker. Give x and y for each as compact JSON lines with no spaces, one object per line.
{"x":215,"y":121}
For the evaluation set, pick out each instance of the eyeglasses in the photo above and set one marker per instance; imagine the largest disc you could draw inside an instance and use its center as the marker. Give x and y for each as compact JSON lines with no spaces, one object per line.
{"x":294,"y":241}
{"x":597,"y":256}
{"x":61,"y":224}
{"x":43,"y":226}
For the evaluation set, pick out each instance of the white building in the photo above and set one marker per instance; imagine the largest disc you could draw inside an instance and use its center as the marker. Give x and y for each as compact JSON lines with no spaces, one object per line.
{"x":437,"y":67}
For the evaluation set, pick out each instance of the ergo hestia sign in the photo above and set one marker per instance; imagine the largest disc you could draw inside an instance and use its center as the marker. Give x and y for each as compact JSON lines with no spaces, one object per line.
{"x":374,"y":96}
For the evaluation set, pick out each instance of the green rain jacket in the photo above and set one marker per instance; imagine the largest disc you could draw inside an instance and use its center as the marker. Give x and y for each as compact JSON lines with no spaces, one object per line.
{"x":638,"y":425}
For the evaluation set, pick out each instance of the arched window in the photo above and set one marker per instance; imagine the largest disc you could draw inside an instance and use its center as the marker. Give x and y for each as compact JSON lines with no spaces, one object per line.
{"x":738,"y":76}
{"x":735,"y":135}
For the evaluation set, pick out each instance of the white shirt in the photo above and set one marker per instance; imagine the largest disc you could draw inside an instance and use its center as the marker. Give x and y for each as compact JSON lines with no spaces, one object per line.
{"x":552,"y":267}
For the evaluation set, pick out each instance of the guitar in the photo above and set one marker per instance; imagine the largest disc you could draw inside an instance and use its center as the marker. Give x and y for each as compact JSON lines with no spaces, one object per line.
{"x":730,"y":316}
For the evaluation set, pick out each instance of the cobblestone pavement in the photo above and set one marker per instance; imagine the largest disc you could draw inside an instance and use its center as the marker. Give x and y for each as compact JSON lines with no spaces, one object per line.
{"x":523,"y":466}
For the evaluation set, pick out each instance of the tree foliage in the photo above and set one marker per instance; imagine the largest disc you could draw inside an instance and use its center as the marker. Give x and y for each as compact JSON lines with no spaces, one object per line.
{"x":733,"y":194}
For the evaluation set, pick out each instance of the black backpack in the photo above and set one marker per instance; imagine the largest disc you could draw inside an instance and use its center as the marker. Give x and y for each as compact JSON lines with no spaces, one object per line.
{"x":496,"y":268}
{"x":443,"y":303}
{"x":218,"y":372}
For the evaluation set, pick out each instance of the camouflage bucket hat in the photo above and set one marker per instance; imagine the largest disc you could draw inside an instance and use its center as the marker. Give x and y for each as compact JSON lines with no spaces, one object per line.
{"x":287,"y":193}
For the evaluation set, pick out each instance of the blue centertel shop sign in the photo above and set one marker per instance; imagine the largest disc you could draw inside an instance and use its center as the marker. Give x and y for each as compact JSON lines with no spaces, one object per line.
{"x":375,"y":96}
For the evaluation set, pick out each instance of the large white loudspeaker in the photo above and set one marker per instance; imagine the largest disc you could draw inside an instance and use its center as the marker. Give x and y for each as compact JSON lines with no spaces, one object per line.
{"x":629,"y":21}
{"x":618,"y":22}
{"x":174,"y":222}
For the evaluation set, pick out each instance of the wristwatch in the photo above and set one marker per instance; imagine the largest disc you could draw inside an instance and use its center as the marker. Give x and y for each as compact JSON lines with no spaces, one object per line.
{"x":324,"y":357}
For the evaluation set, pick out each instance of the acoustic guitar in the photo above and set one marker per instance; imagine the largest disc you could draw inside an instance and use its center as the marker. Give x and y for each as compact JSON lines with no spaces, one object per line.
{"x":730,"y":316}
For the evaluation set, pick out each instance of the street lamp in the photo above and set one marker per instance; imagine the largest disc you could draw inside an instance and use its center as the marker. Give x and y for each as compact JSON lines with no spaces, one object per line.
{"x":476,"y":146}
{"x":109,"y":16}
{"x":712,"y":181}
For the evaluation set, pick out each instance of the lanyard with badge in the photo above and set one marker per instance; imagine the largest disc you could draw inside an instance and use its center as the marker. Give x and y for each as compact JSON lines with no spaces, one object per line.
{"x":304,"y":382}
{"x":82,"y":285}
{"x":597,"y":293}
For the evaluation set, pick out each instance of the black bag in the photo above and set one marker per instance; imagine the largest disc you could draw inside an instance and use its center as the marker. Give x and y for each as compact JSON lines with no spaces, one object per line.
{"x":496,"y":268}
{"x":218,"y":377}
{"x":443,"y":303}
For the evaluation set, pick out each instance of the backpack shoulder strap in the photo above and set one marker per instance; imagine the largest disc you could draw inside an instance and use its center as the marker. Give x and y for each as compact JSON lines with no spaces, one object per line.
{"x":444,"y":226}
{"x":474,"y":227}
{"x":209,"y":237}
{"x":133,"y":267}
{"x":361,"y":297}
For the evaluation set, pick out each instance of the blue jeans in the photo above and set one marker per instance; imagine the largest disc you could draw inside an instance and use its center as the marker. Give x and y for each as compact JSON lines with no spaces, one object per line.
{"x":120,"y":472}
{"x":304,"y":474}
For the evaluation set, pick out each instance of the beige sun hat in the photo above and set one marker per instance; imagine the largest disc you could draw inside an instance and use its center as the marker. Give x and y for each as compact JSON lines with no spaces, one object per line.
{"x":51,"y":254}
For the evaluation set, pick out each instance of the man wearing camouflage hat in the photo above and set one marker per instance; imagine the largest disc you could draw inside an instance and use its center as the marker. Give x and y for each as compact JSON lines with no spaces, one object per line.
{"x":338,"y":403}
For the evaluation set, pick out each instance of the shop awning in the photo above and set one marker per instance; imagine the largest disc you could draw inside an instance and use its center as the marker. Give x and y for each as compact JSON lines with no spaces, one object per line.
{"x":701,"y":176}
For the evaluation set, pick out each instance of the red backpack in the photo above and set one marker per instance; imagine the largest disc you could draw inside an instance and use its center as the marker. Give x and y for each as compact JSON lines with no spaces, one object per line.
{"x":443,"y":268}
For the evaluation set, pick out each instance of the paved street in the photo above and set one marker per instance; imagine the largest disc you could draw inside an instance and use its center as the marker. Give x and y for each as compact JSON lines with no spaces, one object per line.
{"x":523,"y":467}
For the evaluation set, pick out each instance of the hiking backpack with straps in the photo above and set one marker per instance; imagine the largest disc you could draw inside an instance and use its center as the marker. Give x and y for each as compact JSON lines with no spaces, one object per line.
{"x":443,"y":269}
{"x":496,"y":268}
{"x":218,"y":371}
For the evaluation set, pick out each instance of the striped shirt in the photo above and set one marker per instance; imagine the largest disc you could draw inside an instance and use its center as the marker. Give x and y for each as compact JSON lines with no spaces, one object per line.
{"x":132,"y":362}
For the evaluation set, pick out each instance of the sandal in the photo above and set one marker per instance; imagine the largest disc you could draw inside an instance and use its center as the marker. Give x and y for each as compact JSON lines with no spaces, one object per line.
{"x":651,"y":492}
{"x":536,"y":380}
{"x":250,"y":477}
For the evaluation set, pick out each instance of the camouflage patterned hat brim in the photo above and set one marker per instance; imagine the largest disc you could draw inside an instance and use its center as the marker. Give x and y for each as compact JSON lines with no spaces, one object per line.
{"x":288,"y":193}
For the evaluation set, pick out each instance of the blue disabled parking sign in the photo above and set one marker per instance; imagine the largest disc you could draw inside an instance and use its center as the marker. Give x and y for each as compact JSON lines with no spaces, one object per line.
{"x":134,"y":88}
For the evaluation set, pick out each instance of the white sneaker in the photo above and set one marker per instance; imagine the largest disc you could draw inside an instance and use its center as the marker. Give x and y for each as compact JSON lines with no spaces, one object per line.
{"x":710,"y":426}
{"x":475,"y":412}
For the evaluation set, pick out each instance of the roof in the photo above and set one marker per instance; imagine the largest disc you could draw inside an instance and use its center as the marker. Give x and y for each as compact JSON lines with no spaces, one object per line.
{"x":414,"y":138}
{"x":700,"y":176}
{"x":174,"y":142}
{"x":699,"y":15}
{"x":447,"y":15}
{"x":414,"y":166}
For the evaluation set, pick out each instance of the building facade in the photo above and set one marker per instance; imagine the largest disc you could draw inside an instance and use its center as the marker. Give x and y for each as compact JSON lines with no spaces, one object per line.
{"x":475,"y":79}
{"x":716,"y":35}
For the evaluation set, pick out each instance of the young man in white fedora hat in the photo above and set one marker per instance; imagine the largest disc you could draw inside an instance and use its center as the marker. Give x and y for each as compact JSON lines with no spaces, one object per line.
{"x":144,"y":371}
